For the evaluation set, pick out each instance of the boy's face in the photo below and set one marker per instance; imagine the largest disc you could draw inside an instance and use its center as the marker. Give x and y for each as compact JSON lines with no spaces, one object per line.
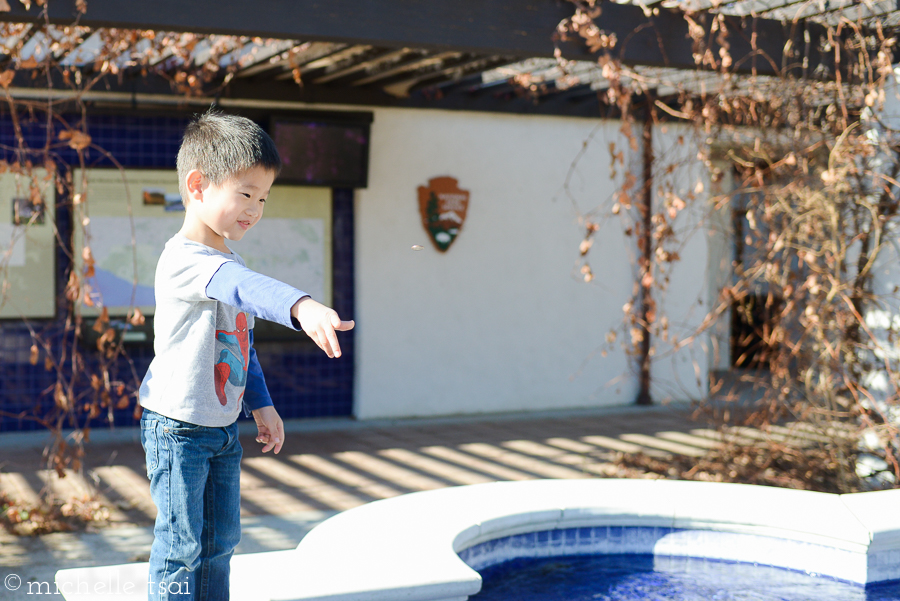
{"x":232,"y":208}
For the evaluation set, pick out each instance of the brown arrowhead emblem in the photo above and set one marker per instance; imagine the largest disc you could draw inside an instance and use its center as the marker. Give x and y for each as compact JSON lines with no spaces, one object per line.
{"x":443,"y":208}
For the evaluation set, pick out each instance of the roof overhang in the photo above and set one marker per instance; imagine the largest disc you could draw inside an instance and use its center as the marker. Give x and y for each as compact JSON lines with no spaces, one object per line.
{"x":431,"y":53}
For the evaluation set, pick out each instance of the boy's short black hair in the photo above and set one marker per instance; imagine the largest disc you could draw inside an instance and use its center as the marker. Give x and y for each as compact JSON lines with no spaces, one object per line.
{"x":221,"y":146}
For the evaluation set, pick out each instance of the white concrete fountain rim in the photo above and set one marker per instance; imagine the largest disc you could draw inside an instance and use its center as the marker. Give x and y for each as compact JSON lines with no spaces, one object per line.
{"x":406,"y":548}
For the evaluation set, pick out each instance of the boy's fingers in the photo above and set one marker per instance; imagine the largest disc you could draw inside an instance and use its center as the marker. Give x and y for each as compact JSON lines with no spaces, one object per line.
{"x":278,"y":436}
{"x":274,"y":443}
{"x":321,"y":340}
{"x":324,"y":335}
{"x":332,"y":342}
{"x":329,"y":338}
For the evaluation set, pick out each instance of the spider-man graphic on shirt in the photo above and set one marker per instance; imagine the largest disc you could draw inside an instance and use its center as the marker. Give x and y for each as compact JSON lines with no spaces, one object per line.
{"x":234,"y":358}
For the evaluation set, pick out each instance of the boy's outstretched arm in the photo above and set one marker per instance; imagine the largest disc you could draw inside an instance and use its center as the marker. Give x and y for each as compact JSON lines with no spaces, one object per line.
{"x":320,"y":323}
{"x":270,"y":427}
{"x":265,"y":297}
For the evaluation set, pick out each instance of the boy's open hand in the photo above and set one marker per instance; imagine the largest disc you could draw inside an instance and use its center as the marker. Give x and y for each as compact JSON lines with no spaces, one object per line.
{"x":320,"y":323}
{"x":271,"y":428}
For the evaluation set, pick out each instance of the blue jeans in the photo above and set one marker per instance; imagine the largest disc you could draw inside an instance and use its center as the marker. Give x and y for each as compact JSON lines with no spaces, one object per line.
{"x":194,"y":476}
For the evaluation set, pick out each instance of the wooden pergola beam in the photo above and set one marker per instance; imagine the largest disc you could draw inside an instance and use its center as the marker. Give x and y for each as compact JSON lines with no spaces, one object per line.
{"x":519,"y":28}
{"x":155,"y":91}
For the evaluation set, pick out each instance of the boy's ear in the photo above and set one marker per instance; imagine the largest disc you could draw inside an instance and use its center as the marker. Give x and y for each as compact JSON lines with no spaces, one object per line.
{"x":194,"y":184}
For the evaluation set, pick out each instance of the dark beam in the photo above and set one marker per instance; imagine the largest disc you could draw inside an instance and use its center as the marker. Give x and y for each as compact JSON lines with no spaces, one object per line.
{"x":460,"y":99}
{"x":314,"y":51}
{"x":468,"y":76}
{"x":349,"y":55}
{"x":575,"y":95}
{"x":433,"y":74}
{"x":473,"y":81}
{"x":248,"y":90}
{"x":407,"y":68}
{"x":522,"y":28}
{"x":367,"y":64}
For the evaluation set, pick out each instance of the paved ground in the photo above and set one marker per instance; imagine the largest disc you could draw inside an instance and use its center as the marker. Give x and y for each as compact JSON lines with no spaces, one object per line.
{"x":326,"y":467}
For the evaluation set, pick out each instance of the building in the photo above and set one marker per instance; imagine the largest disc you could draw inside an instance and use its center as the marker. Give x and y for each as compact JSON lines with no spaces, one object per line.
{"x":498,"y":320}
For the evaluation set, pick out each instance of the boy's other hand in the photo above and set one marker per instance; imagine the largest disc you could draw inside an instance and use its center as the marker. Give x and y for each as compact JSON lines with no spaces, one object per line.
{"x":271,"y":428}
{"x":320,"y":323}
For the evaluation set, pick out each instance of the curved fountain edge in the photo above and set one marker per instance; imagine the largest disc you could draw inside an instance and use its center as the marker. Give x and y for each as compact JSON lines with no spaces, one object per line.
{"x":406,"y":548}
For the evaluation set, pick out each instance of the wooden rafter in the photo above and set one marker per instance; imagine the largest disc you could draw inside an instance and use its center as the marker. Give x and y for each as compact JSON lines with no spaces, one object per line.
{"x":383,"y":57}
{"x":432,"y":61}
{"x":301,"y":54}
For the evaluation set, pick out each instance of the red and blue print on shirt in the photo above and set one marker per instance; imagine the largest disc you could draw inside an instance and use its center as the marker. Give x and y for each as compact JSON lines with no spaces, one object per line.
{"x":234,"y":358}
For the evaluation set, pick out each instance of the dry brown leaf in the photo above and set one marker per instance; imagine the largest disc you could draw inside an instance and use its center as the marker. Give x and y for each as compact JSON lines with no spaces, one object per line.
{"x":102,"y":320}
{"x":79,"y":140}
{"x":29,"y":63}
{"x":59,"y":397}
{"x":108,"y":336}
{"x":137,"y":319}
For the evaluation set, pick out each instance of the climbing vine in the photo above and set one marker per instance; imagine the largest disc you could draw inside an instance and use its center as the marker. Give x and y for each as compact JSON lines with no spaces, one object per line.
{"x":800,"y":176}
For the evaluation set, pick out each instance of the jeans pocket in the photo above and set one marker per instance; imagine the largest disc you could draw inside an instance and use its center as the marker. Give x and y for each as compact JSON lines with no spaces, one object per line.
{"x":150,"y":442}
{"x":180,"y":428}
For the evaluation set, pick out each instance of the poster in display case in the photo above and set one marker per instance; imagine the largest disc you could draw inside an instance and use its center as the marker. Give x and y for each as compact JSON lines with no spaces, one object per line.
{"x":133,"y":213}
{"x":27,"y":246}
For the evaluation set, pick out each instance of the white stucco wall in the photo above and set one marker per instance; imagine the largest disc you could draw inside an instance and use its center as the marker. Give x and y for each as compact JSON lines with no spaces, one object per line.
{"x":500,"y":321}
{"x":883,"y":315}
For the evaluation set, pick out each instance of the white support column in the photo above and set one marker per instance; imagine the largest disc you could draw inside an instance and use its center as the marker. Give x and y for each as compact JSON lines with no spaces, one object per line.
{"x":719,"y":267}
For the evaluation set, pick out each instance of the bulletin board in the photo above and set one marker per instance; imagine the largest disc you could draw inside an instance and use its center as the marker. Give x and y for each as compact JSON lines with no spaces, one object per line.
{"x":126,"y":234}
{"x":291,"y":243}
{"x":27,"y":246}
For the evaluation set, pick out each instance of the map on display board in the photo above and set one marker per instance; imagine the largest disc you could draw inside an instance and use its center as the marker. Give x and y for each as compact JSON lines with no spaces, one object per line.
{"x":116,"y":259}
{"x":12,"y":244}
{"x":290,"y":250}
{"x":291,"y":243}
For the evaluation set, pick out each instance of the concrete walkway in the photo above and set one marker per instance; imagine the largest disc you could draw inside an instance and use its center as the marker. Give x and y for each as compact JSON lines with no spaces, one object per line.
{"x":327,"y":466}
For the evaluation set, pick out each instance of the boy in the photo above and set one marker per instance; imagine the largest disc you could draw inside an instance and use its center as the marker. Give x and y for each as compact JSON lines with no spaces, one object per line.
{"x":205,"y":367}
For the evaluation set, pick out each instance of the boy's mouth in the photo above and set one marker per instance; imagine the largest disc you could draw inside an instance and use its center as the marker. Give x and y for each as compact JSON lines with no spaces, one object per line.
{"x":245,"y":225}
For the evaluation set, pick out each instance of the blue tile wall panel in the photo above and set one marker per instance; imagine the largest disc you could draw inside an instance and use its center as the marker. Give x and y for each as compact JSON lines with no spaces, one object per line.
{"x":303,"y":381}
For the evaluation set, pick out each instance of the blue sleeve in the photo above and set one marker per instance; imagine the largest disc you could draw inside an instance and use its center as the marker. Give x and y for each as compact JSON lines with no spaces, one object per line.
{"x":257,"y":294}
{"x":256,"y":394}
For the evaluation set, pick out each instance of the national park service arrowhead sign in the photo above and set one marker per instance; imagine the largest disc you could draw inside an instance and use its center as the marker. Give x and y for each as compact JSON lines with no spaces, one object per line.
{"x":443,"y":208}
